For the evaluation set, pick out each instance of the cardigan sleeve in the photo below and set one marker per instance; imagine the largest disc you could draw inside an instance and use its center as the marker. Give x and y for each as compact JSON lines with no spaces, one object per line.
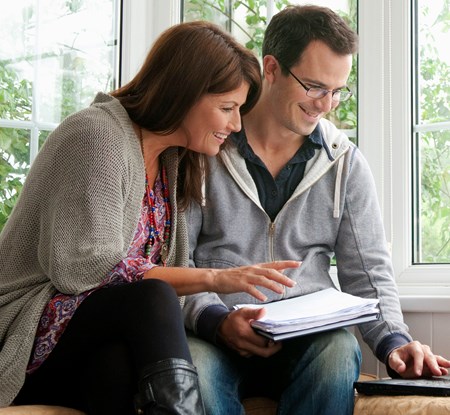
{"x":90,"y":196}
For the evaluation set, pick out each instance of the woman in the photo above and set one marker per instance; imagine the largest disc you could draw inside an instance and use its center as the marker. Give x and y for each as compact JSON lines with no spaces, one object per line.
{"x":94,"y":255}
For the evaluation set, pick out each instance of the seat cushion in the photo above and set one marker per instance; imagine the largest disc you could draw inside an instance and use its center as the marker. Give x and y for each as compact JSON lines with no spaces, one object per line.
{"x":260,"y":406}
{"x":38,"y":410}
{"x":402,"y":405}
{"x":253,"y":406}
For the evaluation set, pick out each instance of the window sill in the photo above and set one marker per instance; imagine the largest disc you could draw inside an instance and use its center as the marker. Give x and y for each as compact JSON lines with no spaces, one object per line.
{"x":425,"y":299}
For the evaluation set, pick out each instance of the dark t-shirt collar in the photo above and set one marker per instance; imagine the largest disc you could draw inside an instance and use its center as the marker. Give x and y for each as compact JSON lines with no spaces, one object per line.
{"x":312,"y":142}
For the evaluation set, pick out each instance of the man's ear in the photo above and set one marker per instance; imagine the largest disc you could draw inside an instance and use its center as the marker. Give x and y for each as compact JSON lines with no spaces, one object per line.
{"x":271,"y":68}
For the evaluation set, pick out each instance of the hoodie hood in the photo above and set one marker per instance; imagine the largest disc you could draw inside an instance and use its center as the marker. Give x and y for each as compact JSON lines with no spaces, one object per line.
{"x":335,"y":143}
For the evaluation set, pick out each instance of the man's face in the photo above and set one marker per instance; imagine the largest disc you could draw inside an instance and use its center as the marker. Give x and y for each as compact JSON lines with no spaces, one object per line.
{"x":319,"y":67}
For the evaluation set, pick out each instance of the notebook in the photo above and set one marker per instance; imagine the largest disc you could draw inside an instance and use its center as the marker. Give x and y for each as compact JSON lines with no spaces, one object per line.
{"x":434,"y":386}
{"x":310,"y":313}
{"x":317,"y":329}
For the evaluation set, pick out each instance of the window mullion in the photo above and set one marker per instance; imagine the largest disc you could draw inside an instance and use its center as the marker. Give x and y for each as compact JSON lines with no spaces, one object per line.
{"x":373,"y":96}
{"x":143,"y":21}
{"x":385,"y":118}
{"x":34,"y":133}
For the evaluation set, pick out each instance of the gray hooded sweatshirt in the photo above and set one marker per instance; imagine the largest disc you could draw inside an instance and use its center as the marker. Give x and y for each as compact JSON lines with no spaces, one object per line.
{"x":334,"y":211}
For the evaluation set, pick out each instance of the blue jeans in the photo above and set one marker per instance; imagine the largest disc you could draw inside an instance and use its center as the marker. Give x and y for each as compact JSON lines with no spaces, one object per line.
{"x":310,"y":375}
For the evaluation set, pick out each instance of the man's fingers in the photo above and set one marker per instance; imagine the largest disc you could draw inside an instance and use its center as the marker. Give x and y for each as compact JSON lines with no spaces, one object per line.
{"x":417,"y":360}
{"x":442,"y":361}
{"x":252,"y":313}
{"x":437,"y":364}
{"x":396,"y":363}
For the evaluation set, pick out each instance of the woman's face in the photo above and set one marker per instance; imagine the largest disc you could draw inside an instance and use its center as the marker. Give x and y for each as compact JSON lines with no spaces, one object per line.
{"x":212,"y":119}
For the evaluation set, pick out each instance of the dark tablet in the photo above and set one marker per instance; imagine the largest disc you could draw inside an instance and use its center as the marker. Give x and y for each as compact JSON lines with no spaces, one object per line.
{"x":434,"y":386}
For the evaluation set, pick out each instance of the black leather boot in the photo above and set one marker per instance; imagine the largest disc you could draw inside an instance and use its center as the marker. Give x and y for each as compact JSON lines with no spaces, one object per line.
{"x":169,"y":387}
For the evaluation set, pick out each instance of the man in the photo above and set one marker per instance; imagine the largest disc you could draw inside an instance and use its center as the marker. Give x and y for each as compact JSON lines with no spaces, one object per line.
{"x":291,"y":186}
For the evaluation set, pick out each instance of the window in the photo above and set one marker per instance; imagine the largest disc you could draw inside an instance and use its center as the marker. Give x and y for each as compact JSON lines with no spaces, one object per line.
{"x":388,"y":131}
{"x":54,"y":56}
{"x":431,"y":132}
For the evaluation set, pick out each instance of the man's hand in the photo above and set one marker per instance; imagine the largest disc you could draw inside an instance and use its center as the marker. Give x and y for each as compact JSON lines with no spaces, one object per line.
{"x":236,"y":333}
{"x":415,"y":360}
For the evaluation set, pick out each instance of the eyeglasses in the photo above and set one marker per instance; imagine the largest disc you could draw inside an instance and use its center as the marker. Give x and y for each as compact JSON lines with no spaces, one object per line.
{"x":337,"y":95}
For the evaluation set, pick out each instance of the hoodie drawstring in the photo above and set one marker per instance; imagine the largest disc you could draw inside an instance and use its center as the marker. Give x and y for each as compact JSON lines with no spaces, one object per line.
{"x":337,"y":188}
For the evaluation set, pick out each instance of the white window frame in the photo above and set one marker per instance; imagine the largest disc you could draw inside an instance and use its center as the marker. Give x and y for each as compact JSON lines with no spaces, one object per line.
{"x":142,"y":22}
{"x":384,"y":128}
{"x":385,"y":138}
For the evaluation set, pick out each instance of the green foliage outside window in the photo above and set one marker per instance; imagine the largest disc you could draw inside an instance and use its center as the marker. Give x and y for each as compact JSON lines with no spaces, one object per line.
{"x":433,"y":148}
{"x":225,"y":12}
{"x":15,"y":103}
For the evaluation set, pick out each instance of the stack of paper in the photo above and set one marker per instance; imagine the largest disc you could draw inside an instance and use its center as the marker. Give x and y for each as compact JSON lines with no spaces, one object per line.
{"x":319,"y":311}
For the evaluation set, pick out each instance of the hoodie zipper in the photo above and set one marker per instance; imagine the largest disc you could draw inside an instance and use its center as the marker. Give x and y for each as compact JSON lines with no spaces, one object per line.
{"x":271,"y":248}
{"x":271,"y":236}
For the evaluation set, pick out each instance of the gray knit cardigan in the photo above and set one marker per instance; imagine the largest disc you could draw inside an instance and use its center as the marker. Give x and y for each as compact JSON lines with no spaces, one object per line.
{"x":74,"y":221}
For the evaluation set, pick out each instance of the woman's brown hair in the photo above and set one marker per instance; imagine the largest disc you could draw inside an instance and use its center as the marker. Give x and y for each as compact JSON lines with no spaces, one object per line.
{"x":186,"y":62}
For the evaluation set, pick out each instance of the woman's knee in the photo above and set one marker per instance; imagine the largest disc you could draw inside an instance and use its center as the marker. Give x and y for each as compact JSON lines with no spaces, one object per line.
{"x":134,"y":308}
{"x":150,"y":296}
{"x":153,"y":288}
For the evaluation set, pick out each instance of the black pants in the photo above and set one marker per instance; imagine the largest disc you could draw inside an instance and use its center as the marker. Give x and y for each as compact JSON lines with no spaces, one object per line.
{"x":113,"y":336}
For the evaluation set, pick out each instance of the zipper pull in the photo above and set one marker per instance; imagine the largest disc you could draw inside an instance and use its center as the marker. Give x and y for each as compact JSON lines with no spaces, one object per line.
{"x":271,"y":229}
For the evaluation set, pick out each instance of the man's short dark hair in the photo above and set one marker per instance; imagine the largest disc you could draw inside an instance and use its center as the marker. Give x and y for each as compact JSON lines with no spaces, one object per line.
{"x":291,"y":30}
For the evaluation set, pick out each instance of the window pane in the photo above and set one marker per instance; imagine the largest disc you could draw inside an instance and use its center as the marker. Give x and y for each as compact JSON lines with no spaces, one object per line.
{"x":54,"y":57}
{"x":64,"y":49}
{"x":432,"y":132}
{"x":433,"y":41}
{"x":434,"y":238}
